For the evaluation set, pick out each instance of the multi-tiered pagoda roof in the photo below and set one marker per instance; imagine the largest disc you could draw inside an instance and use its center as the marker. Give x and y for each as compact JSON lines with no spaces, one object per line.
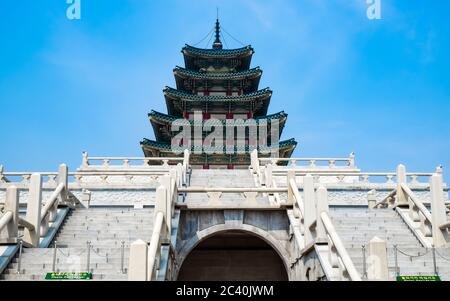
{"x":218,"y":85}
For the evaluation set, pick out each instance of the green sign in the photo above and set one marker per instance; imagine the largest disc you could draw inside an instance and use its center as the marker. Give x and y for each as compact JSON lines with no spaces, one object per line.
{"x":68,"y":276}
{"x":418,"y":278}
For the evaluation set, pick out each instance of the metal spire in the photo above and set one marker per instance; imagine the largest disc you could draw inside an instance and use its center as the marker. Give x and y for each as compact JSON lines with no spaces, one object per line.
{"x":217,"y":43}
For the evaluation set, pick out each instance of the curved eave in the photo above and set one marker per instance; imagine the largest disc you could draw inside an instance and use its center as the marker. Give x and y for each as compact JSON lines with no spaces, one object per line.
{"x":183,"y":73}
{"x":162,"y":123}
{"x":178,"y":101}
{"x":217,"y":53}
{"x":186,"y":79}
{"x":158,"y":117}
{"x":197,"y":58}
{"x":181,"y":95}
{"x":150,"y":145}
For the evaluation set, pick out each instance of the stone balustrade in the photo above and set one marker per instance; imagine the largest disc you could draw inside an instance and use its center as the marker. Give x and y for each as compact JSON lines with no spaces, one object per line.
{"x":39,"y":215}
{"x":127,"y":162}
{"x":106,"y":175}
{"x":430,"y":228}
{"x":312,"y":162}
{"x":313,"y":229}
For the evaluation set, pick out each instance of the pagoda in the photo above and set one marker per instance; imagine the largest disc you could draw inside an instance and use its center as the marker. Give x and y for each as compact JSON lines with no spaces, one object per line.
{"x":217,"y":90}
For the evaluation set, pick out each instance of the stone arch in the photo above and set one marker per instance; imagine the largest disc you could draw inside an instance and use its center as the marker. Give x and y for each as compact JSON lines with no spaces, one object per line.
{"x":203,"y":235}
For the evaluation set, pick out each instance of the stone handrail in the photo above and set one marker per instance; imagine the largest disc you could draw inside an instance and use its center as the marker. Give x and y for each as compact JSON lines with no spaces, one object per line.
{"x":429,"y":227}
{"x":125,"y":161}
{"x":104,"y":172}
{"x":38,"y":218}
{"x":5,"y":219}
{"x":313,"y":228}
{"x":416,"y":202}
{"x":312,"y":162}
{"x":353,"y":178}
{"x":254,"y":164}
{"x":10,"y":218}
{"x":145,"y":259}
{"x":334,"y":240}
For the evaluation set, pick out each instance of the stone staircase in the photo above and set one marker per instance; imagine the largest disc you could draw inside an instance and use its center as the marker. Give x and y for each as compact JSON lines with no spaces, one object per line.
{"x":105,"y":228}
{"x":357,"y":226}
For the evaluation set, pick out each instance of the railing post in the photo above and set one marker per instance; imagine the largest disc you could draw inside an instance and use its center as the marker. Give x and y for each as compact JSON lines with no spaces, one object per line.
{"x":401,"y":179}
{"x":122,"y":256}
{"x":55,"y":249}
{"x":19,"y":260}
{"x":363,"y":250}
{"x":12,"y":205}
{"x":310,"y":208}
{"x":371,"y":199}
{"x":352,"y":160}
{"x":88,"y":256}
{"x":269,"y":172}
{"x":180,"y":175}
{"x":397,"y":269}
{"x":85,"y":160}
{"x":137,"y":266}
{"x":161,"y":204}
{"x":378,"y":260}
{"x":433,"y":252}
{"x":322,"y":206}
{"x":185,"y":165}
{"x":254,"y":161}
{"x":438,"y":211}
{"x":63,"y":178}
{"x":290,"y":176}
{"x":34,"y":207}
{"x":1,"y":173}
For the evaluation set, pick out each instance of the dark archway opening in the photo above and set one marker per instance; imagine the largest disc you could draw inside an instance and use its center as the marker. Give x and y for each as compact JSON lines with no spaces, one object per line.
{"x":233,"y":256}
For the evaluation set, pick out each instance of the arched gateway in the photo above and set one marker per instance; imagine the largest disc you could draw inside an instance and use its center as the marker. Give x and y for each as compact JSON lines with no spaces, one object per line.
{"x":223,"y":253}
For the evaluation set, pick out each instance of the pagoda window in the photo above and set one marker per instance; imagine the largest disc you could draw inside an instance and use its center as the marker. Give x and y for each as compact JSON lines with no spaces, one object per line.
{"x":186,"y":115}
{"x":206,"y":115}
{"x":229,"y":115}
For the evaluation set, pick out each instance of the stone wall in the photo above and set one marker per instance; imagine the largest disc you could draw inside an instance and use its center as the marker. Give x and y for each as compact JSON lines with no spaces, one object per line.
{"x":101,"y":197}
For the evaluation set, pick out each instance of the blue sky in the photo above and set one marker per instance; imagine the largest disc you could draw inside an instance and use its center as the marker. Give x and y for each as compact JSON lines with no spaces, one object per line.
{"x":379,"y":88}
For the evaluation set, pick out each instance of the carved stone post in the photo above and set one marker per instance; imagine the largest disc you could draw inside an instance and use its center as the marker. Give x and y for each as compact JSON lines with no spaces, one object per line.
{"x":401,"y":179}
{"x":269,"y":172}
{"x":310,"y":208}
{"x":438,"y":211}
{"x":352,"y":160}
{"x":85,"y":160}
{"x":12,"y":205}
{"x":322,"y":206}
{"x":137,"y":266}
{"x":34,"y":207}
{"x":63,"y":177}
{"x":161,"y":205}
{"x":377,"y":261}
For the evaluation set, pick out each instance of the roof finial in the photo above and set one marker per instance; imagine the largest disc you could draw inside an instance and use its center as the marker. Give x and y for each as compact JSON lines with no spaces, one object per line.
{"x":217,"y":43}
